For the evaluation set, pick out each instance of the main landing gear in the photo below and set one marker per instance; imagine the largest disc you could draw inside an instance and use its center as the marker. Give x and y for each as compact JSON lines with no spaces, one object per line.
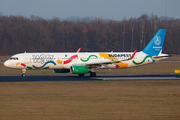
{"x":81,"y":75}
{"x":23,"y":73}
{"x":92,"y":74}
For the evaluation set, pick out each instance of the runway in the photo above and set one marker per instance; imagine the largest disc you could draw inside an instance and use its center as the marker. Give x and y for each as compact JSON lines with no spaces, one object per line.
{"x":87,"y":78}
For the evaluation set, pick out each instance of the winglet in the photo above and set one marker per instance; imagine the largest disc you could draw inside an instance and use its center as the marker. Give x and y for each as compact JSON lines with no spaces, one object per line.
{"x":133,"y":54}
{"x":78,"y":50}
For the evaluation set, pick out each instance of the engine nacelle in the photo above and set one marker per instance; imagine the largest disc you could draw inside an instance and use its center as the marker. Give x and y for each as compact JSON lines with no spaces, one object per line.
{"x":79,"y":69}
{"x":61,"y":70}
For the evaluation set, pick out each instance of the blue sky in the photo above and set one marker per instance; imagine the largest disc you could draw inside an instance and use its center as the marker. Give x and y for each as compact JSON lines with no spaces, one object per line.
{"x":106,"y":9}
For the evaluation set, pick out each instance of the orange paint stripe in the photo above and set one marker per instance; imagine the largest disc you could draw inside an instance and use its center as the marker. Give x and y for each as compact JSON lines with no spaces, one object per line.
{"x":18,"y":63}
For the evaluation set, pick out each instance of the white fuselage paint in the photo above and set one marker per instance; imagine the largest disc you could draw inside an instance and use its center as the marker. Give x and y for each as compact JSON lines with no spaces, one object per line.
{"x":50,"y":60}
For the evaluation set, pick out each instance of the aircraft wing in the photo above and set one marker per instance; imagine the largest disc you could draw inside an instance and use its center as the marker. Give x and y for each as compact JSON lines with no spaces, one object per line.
{"x":99,"y":64}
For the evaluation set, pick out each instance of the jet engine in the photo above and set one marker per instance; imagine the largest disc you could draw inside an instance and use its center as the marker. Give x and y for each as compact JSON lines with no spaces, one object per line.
{"x":79,"y":69}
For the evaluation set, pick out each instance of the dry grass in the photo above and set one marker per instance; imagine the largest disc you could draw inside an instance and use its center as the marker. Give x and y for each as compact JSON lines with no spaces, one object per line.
{"x":89,"y":100}
{"x":4,"y":58}
{"x":155,"y":68}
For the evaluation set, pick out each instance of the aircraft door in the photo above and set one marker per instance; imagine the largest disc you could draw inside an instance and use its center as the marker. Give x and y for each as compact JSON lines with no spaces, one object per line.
{"x":26,"y":59}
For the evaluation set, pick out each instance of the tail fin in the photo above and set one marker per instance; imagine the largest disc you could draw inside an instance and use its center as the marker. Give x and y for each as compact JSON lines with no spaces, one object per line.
{"x":155,"y":46}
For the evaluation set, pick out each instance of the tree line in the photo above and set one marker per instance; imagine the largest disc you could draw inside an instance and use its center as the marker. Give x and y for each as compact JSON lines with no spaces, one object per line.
{"x":36,"y":34}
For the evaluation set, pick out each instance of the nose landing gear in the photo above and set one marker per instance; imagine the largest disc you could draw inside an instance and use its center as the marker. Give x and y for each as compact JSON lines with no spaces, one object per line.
{"x":23,"y":73}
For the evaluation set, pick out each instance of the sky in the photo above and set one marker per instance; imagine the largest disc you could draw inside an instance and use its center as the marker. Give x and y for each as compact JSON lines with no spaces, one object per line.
{"x":105,"y":9}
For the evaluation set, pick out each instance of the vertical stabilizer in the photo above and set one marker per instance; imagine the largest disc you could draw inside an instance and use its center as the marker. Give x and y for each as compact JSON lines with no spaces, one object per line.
{"x":155,"y":46}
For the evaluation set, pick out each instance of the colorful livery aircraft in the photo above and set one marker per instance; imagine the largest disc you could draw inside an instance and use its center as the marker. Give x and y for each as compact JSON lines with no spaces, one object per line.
{"x":81,"y":63}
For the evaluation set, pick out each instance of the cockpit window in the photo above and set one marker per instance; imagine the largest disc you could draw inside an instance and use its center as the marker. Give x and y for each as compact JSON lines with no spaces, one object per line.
{"x":14,"y":58}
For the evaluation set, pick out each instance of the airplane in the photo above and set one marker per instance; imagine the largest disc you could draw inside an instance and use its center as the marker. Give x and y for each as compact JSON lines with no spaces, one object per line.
{"x":82,"y":63}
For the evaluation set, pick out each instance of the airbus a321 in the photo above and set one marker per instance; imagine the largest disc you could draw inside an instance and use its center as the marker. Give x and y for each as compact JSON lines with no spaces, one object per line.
{"x":81,"y":63}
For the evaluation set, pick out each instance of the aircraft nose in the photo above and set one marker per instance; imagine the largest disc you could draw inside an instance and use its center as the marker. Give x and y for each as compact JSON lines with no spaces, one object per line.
{"x":6,"y":63}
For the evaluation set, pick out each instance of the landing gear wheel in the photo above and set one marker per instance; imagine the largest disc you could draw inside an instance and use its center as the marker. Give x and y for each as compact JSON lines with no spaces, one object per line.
{"x":81,"y":75}
{"x":93,"y":74}
{"x":23,"y":75}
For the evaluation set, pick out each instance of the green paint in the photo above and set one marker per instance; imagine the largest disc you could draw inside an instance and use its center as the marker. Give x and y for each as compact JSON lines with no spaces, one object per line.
{"x":46,"y":67}
{"x":142,"y":61}
{"x":89,"y":58}
{"x":65,"y":55}
{"x":29,"y":67}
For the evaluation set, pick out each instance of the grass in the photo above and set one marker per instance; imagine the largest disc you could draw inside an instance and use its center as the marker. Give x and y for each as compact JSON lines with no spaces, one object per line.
{"x":87,"y":100}
{"x":4,"y":58}
{"x":154,"y":68}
